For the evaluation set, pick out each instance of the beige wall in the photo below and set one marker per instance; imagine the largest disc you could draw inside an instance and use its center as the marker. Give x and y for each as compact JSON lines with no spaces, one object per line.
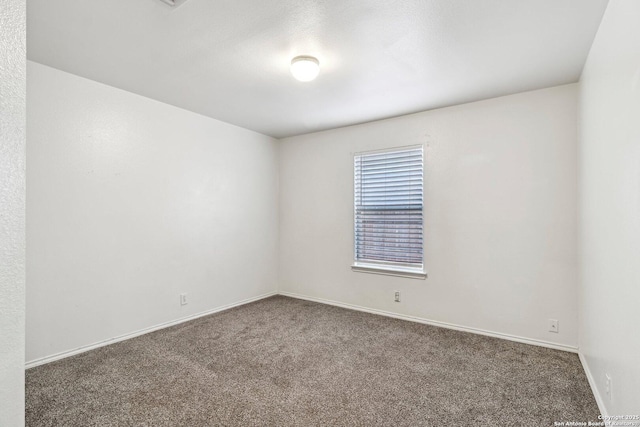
{"x":133,"y":202}
{"x":12,"y":214}
{"x":609,"y":239}
{"x":500,"y":209}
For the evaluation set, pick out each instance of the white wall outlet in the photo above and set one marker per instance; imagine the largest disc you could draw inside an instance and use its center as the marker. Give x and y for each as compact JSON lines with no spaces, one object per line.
{"x":553,"y":325}
{"x":607,"y":386}
{"x":183,"y":299}
{"x":397,"y":297}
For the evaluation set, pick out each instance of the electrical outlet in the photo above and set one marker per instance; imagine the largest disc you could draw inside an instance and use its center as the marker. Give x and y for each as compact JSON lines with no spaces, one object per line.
{"x":183,"y":299}
{"x":553,"y":325}
{"x":607,"y":386}
{"x":397,"y":299}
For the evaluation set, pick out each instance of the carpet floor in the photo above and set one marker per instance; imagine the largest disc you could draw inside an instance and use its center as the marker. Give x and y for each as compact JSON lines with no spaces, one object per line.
{"x":288,"y":362}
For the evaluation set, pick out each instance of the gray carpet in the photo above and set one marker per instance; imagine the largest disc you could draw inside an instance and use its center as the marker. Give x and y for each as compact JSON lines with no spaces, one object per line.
{"x":287,"y":362}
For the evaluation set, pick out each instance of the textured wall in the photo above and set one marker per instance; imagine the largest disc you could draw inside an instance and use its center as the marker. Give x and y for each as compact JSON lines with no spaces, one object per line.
{"x":500,"y":215}
{"x":12,"y":189}
{"x":132,"y":202}
{"x":610,"y":208}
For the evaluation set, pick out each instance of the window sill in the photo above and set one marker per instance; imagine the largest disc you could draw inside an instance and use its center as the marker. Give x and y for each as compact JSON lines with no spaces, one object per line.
{"x":412,"y":273}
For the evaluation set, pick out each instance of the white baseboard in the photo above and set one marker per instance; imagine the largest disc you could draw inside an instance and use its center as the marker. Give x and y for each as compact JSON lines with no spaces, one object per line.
{"x":68,"y":353}
{"x":594,"y":388}
{"x":530,"y":341}
{"x":73,"y":352}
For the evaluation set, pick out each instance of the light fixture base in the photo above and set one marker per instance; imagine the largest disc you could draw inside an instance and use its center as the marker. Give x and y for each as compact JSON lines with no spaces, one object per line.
{"x":173,"y":3}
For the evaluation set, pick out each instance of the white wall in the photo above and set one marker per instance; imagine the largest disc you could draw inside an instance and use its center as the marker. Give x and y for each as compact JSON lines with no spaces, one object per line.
{"x":12,"y":199}
{"x":130,"y":203}
{"x":609,"y":238}
{"x":500,"y":195}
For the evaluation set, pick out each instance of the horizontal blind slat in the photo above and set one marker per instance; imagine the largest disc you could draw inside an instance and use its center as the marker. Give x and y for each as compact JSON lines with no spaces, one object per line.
{"x":391,"y":257}
{"x":396,"y":206}
{"x":383,"y":235}
{"x":408,"y":164}
{"x":389,"y":193}
{"x":391,"y":248}
{"x":390,"y":160}
{"x":406,"y":178}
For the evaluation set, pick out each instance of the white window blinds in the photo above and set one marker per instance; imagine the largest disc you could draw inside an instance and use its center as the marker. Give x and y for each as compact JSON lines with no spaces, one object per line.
{"x":388,"y":208}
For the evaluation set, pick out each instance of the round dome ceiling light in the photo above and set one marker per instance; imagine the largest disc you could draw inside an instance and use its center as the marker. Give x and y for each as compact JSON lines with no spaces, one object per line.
{"x":305,"y":68}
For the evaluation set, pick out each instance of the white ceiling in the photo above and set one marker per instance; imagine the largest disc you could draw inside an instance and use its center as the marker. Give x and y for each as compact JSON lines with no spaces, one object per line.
{"x":229,"y":59}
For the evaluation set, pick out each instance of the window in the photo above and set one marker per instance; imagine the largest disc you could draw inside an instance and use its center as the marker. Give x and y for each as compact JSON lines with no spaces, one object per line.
{"x":388,"y":217}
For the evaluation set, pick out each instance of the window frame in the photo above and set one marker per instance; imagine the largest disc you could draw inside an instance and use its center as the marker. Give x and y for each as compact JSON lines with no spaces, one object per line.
{"x":386,"y":267}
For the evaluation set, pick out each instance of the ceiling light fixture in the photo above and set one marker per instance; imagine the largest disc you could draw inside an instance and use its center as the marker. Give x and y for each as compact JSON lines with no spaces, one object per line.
{"x":305,"y":68}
